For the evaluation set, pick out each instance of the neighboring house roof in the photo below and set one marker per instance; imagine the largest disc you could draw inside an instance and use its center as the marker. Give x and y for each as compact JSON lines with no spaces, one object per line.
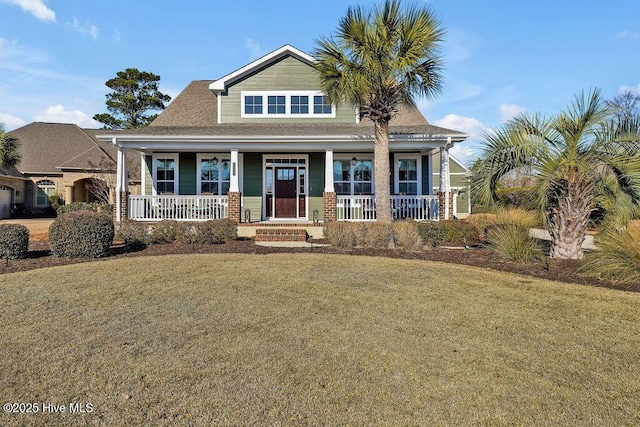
{"x":51,"y":148}
{"x":11,"y":173}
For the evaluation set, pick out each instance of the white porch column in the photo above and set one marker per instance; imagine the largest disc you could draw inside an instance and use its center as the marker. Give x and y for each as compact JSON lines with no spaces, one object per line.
{"x":143,"y":175}
{"x":234,"y":185}
{"x":445,"y":182}
{"x":328,"y":171}
{"x":121,"y":180}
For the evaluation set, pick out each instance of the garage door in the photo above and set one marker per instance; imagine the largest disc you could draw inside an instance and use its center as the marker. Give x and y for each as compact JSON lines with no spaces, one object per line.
{"x":5,"y":202}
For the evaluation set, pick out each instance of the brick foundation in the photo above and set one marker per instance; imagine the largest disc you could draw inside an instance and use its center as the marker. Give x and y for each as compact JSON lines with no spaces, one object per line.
{"x":442,"y":205}
{"x":124,"y":207}
{"x":235,"y":208}
{"x":329,"y":206}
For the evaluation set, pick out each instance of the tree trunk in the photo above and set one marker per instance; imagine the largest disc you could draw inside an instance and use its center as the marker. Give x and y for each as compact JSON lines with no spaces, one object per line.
{"x":568,"y":217}
{"x":382,"y":171}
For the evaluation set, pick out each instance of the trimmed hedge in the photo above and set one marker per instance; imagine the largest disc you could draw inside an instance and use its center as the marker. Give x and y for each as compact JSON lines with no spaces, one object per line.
{"x":448,"y":232}
{"x":216,"y":231}
{"x":14,"y":241}
{"x":83,"y":206}
{"x":81,"y":234}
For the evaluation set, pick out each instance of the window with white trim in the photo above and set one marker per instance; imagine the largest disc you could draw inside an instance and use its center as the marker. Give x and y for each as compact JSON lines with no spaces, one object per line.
{"x":46,"y":188}
{"x":353,"y":177}
{"x":215,"y":175}
{"x":294,"y":104}
{"x":165,"y":173}
{"x":407,"y":173}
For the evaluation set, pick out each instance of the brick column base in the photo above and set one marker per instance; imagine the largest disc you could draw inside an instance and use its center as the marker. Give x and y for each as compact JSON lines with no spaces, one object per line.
{"x":329,"y":206}
{"x":235,"y":208}
{"x":442,"y":206}
{"x":124,"y":207}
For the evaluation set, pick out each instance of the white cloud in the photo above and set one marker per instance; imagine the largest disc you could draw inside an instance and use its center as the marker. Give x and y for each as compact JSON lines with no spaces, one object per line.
{"x":86,"y":28}
{"x":625,"y":88}
{"x":116,"y":36}
{"x":254,"y":47}
{"x":58,"y":114}
{"x":509,"y":111}
{"x":469,"y":149}
{"x":11,"y":122}
{"x":626,"y":34}
{"x":35,"y":7}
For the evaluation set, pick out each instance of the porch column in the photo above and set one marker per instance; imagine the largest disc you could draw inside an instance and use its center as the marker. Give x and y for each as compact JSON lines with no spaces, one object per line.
{"x":234,"y":196}
{"x":444,"y":193}
{"x":68,"y":194}
{"x":122,"y":184}
{"x":329,"y":194}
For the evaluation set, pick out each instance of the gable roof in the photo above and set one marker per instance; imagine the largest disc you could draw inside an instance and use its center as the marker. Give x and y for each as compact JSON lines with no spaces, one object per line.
{"x":195,"y":106}
{"x":10,"y":173}
{"x":286,"y":50}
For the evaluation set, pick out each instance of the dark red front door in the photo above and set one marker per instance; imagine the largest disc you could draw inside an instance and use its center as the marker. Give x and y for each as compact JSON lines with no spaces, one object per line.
{"x":285,"y":193}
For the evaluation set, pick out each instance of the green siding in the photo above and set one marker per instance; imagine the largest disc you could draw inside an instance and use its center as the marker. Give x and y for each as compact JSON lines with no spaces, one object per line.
{"x":286,"y":74}
{"x":148,"y":175}
{"x":187,"y":170}
{"x":316,"y":176}
{"x":454,"y":167}
{"x":252,"y":175}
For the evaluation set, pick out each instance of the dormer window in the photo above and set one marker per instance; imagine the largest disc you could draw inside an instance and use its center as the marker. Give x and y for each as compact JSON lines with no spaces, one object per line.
{"x":292,"y":104}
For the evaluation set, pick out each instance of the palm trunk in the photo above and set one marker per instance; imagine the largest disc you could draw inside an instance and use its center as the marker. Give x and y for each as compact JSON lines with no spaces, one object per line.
{"x":568,"y":217}
{"x":381,"y":165}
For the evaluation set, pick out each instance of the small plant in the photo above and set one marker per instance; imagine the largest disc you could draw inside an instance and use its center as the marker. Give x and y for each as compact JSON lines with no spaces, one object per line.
{"x":406,"y":234}
{"x":374,"y":235}
{"x":81,"y":234}
{"x":513,"y":243}
{"x":164,"y":232}
{"x":618,"y":256}
{"x":55,"y":201}
{"x":482,"y":221}
{"x":451,"y":232}
{"x":216,"y":231}
{"x":14,"y":241}
{"x":519,"y":217}
{"x":341,"y":235}
{"x":134,"y":234}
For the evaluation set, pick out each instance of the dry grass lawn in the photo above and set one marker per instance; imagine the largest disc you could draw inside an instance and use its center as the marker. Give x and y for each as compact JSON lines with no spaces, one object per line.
{"x":295,"y":339}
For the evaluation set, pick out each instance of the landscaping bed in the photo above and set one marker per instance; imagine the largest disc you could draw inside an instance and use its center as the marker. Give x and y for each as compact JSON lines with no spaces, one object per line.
{"x":40,"y":256}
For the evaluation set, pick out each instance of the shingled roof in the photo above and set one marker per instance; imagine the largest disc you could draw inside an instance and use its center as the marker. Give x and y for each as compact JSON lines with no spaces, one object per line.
{"x":195,"y":106}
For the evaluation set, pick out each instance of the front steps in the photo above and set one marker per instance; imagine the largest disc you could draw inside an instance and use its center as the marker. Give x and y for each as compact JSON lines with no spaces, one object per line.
{"x":280,"y":231}
{"x":271,"y":234}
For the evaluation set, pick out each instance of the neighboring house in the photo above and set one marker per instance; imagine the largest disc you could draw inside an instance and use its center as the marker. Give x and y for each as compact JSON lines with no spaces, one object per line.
{"x":12,"y":191}
{"x":63,"y":159}
{"x":263,"y":144}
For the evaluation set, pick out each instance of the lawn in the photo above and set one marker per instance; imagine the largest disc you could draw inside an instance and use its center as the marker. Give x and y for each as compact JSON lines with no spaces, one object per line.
{"x":304,"y":339}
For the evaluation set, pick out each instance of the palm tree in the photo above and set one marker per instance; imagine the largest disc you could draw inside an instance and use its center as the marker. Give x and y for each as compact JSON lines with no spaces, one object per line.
{"x":379,"y":59}
{"x":573,"y":157}
{"x":9,"y":155}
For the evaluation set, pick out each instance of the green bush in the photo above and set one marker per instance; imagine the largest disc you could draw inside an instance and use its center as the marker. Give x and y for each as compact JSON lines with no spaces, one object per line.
{"x":55,"y":201}
{"x":14,"y":241}
{"x":341,"y":235}
{"x":190,"y":233}
{"x":522,"y":198}
{"x":164,"y":231}
{"x":83,"y":206}
{"x":406,"y":234}
{"x":215,"y":231}
{"x":512,"y":243}
{"x":449,"y":232}
{"x":134,"y":233}
{"x":618,"y":257}
{"x":81,"y":234}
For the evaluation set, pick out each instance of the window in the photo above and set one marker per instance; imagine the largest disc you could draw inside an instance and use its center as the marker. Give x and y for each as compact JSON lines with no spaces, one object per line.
{"x":46,"y":188}
{"x":291,"y":104}
{"x":299,"y":104}
{"x":276,"y":105}
{"x":215,"y":175}
{"x":408,"y":175}
{"x":165,"y":173}
{"x":353,"y":178}
{"x":253,"y":104}
{"x":321,"y":105}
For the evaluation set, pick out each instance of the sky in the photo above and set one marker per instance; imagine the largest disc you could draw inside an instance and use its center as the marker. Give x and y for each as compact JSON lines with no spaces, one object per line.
{"x":502,"y":58}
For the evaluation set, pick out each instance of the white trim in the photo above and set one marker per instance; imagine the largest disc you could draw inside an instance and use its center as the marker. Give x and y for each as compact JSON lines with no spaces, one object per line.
{"x":396,"y":171}
{"x":176,"y":176}
{"x":234,"y":185}
{"x":273,"y":198}
{"x":219,"y":106}
{"x":221,"y":158}
{"x":328,"y":171}
{"x":358,"y":156}
{"x":143,"y":175}
{"x":287,"y":109}
{"x":221,"y":84}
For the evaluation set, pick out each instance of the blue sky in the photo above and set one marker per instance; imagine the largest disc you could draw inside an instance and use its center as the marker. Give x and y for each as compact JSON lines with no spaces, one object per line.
{"x":502,"y":57}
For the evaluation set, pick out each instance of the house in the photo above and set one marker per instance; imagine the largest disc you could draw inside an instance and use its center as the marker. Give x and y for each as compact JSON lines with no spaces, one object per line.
{"x":264,"y":144}
{"x":12,"y":191}
{"x":64,"y":159}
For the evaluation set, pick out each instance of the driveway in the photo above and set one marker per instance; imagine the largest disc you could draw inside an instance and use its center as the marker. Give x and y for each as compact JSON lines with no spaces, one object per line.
{"x":38,"y":227}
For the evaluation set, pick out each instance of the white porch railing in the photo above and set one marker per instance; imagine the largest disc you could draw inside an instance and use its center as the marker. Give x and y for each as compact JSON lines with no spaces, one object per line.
{"x":362,"y":208}
{"x":179,"y":208}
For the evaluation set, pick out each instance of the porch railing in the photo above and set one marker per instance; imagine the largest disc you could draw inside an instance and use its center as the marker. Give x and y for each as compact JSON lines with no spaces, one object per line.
{"x":179,"y":208}
{"x":362,"y":208}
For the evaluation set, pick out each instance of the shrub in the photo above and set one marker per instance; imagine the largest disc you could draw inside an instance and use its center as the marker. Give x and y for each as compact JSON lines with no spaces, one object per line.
{"x":341,"y":235}
{"x":618,"y":256}
{"x":374,"y":234}
{"x":164,"y":232}
{"x":216,"y":231}
{"x":519,"y":217}
{"x":14,"y":241}
{"x":81,"y":234}
{"x":449,"y":232}
{"x":406,"y":234}
{"x":522,"y":197}
{"x":482,"y":222}
{"x":513,"y":243}
{"x":55,"y":201}
{"x":134,"y":233}
{"x":83,"y":206}
{"x":190,"y":233}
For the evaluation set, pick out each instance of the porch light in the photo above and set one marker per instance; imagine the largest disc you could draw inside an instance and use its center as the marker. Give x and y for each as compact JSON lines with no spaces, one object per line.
{"x":214,"y":160}
{"x":354,"y":161}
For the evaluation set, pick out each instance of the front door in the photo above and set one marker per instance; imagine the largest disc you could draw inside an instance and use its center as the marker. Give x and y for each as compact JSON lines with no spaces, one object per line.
{"x":285,"y":193}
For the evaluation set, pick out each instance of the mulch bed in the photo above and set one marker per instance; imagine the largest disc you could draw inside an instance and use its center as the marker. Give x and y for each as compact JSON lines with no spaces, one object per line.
{"x":563,"y":271}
